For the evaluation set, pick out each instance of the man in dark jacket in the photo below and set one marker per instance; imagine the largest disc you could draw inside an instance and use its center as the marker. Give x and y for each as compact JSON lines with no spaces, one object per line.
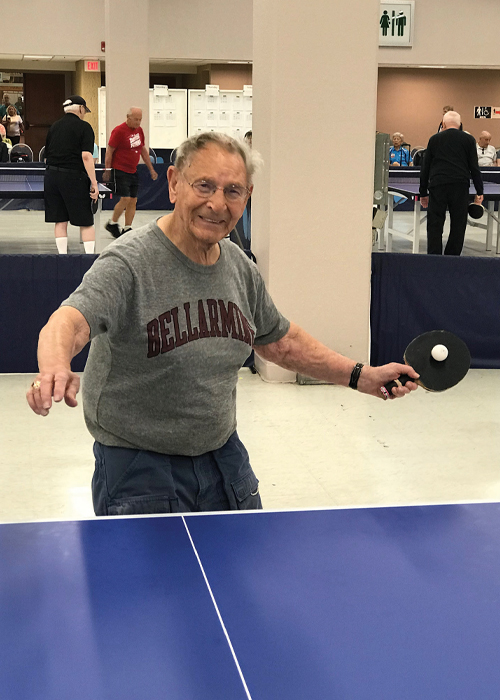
{"x":449,"y":164}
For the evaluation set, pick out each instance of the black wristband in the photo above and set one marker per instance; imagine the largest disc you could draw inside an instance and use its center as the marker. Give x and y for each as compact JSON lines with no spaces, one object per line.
{"x":356,"y":371}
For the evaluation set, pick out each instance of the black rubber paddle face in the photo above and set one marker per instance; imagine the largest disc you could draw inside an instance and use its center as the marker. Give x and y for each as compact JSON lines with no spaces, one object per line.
{"x":438,"y":375}
{"x":94,"y":204}
{"x":476,"y":211}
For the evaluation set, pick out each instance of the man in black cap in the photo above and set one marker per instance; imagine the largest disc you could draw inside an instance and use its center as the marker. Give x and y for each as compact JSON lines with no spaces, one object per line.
{"x":450,"y":162}
{"x":70,"y":181}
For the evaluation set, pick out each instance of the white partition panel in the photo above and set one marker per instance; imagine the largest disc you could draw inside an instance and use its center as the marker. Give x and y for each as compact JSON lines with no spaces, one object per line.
{"x":229,"y":112}
{"x":167,"y":118}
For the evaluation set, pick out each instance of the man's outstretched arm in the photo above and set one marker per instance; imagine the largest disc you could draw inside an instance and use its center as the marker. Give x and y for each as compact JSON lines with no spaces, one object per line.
{"x":300,"y":352}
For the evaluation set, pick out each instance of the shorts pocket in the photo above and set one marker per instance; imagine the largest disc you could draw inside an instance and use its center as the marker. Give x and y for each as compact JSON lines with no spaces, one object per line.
{"x":246,"y":491}
{"x":142,"y":505}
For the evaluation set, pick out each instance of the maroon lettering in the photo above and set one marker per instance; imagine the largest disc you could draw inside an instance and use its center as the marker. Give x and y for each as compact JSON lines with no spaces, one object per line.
{"x":192,"y":334}
{"x":180,"y":338}
{"x":167,"y":343}
{"x":239,"y":335}
{"x":153,"y":328}
{"x":249,"y":334}
{"x":227,"y":319}
{"x":213,"y":315}
{"x":202,"y":321}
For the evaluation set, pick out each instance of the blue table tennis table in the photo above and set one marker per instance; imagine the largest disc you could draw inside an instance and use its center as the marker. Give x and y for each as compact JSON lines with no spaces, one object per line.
{"x":409,"y":187}
{"x":398,"y":603}
{"x":27,"y":183}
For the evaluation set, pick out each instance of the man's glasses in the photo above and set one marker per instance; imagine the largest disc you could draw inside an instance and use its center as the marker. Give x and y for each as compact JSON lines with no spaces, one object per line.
{"x":207,"y":188}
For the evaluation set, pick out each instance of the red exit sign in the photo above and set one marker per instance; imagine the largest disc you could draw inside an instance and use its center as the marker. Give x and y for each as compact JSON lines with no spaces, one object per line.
{"x":92,"y":66}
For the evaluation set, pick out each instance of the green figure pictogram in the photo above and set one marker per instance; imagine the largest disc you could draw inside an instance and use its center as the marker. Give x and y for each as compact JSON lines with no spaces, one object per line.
{"x":385,"y":22}
{"x":401,"y":23}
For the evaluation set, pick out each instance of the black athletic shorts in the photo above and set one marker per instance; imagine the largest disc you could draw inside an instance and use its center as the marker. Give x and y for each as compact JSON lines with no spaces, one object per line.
{"x":127,"y":184}
{"x":67,"y":197}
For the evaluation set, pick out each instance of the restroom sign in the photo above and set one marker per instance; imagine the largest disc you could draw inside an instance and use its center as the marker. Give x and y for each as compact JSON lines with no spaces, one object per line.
{"x":482,"y":112}
{"x":396,"y":23}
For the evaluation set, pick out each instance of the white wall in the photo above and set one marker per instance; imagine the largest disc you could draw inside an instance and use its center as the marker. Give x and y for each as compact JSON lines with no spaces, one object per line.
{"x":216,"y":30}
{"x":456,"y":33}
{"x":57,"y":28}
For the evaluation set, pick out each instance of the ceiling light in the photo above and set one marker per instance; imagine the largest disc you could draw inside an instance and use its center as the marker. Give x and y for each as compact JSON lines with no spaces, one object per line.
{"x":38,"y":58}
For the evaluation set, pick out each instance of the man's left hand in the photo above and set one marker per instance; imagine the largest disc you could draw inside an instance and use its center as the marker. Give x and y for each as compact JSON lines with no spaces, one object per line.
{"x":424,"y":202}
{"x":478,"y":199}
{"x":372,"y":379}
{"x":154,"y":174}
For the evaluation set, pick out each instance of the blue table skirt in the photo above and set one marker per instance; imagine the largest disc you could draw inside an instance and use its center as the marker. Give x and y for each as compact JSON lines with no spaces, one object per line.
{"x":411,"y":294}
{"x":152,"y":194}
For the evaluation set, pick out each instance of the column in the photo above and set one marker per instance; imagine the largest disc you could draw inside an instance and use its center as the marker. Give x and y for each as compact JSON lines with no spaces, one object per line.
{"x":87,"y":85}
{"x":314,"y":115}
{"x":127,"y":61}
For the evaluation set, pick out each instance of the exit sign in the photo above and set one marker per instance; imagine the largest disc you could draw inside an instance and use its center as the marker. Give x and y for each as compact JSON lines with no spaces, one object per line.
{"x":92,"y":66}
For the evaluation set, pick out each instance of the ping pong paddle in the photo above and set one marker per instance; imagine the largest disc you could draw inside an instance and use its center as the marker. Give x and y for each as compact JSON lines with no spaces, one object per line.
{"x":440,"y":358}
{"x":94,"y":203}
{"x":475,"y":210}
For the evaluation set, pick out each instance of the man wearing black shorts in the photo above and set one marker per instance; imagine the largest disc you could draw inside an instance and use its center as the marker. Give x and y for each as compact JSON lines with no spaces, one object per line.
{"x":70,"y":182}
{"x":125,"y":147}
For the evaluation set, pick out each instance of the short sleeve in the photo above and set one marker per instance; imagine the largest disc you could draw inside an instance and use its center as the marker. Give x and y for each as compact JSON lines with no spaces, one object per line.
{"x":114,"y":139}
{"x":103,"y":295}
{"x":270,"y":324}
{"x":87,"y":138}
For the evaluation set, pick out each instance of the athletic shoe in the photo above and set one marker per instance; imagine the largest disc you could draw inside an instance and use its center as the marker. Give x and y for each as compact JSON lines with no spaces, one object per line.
{"x":114,"y":229}
{"x":127,"y":229}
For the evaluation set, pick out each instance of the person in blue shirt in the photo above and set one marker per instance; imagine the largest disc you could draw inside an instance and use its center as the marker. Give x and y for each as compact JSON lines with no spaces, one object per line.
{"x":397,"y":154}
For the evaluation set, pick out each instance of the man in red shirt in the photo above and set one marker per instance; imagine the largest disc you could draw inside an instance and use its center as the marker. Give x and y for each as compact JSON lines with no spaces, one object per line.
{"x":125,"y":147}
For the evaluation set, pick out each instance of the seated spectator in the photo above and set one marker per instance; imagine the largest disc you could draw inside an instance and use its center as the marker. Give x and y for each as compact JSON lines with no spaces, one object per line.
{"x":248,"y":138}
{"x":13,"y":124}
{"x":3,"y":137}
{"x":486,"y":153}
{"x":5,"y":105}
{"x":447,"y":108}
{"x":397,"y":154}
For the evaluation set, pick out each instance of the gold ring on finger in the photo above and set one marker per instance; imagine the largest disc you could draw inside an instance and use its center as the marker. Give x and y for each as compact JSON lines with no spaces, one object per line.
{"x":36,"y":385}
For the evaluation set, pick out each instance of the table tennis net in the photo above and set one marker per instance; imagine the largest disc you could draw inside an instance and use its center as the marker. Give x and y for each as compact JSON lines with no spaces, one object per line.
{"x":21,"y":175}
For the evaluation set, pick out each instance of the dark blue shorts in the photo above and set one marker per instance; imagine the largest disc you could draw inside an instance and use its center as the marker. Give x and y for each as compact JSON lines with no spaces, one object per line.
{"x":133,"y":482}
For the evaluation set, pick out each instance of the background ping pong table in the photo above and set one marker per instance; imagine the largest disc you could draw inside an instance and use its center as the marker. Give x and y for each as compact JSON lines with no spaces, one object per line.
{"x":355,"y":604}
{"x":27,"y":183}
{"x":409,"y":187}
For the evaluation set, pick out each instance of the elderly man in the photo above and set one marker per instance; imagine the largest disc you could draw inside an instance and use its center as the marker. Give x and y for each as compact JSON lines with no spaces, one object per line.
{"x":173,"y":311}
{"x":486,"y":153}
{"x":70,"y":182}
{"x":125,"y":147}
{"x":5,"y":106}
{"x":449,"y":164}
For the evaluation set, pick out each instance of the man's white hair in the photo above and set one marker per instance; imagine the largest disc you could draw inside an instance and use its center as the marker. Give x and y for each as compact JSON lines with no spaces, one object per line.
{"x":189,"y":148}
{"x":452,"y":118}
{"x":72,"y":108}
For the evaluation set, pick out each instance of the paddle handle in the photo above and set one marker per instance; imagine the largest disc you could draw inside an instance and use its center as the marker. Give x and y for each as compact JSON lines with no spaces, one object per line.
{"x":387,"y":388}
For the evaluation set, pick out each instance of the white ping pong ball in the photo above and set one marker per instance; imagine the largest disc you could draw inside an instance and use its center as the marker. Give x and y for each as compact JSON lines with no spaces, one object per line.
{"x":439,"y":352}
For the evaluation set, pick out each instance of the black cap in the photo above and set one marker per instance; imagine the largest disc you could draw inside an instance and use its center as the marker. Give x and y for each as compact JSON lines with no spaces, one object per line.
{"x":76,"y":100}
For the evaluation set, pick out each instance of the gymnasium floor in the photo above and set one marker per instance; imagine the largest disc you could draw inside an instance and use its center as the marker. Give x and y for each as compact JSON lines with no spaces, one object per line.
{"x":310,"y":445}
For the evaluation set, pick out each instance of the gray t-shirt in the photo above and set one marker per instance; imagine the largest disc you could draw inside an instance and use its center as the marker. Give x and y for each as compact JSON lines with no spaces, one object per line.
{"x":168,"y":338}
